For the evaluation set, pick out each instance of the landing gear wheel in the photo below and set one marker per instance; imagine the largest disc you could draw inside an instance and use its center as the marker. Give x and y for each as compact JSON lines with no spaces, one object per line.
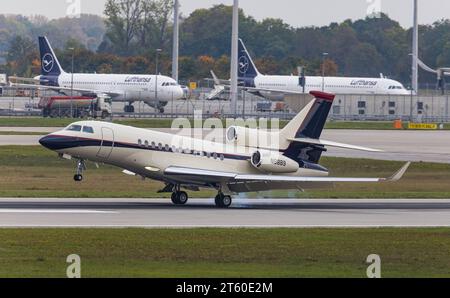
{"x":81,"y":166}
{"x":223,"y":201}
{"x":129,"y":109}
{"x":179,"y":198}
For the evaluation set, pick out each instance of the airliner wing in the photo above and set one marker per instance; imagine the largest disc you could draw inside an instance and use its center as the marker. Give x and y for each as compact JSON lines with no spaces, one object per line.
{"x":56,"y":88}
{"x":252,"y":89}
{"x":192,"y":175}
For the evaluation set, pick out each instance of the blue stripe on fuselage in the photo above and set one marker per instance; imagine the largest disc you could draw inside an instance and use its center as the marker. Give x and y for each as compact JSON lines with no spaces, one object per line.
{"x":57,"y":142}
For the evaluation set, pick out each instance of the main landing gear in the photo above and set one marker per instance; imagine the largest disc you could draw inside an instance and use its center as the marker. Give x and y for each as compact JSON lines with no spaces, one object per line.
{"x":81,"y":166}
{"x":223,"y":201}
{"x":129,"y":108}
{"x":179,"y":197}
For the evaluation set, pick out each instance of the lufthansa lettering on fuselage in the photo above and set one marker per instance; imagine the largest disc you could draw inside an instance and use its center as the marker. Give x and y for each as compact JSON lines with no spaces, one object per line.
{"x":363,"y":83}
{"x":137,"y":80}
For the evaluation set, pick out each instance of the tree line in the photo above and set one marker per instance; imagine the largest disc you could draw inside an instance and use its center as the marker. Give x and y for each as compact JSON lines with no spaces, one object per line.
{"x":126,"y":39}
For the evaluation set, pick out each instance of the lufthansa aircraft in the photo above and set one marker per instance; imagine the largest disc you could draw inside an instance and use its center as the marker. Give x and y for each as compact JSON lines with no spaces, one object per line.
{"x":154,"y":90}
{"x":288,"y":159}
{"x":274,"y":87}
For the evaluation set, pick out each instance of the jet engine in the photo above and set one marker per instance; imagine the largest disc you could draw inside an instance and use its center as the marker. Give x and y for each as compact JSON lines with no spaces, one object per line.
{"x":248,"y":137}
{"x":273,"y":162}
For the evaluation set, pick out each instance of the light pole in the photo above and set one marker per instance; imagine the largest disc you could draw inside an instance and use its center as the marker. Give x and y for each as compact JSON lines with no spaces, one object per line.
{"x":175,"y":53}
{"x":234,"y":59}
{"x":157,"y":71}
{"x":71,"y":84}
{"x":324,"y":55}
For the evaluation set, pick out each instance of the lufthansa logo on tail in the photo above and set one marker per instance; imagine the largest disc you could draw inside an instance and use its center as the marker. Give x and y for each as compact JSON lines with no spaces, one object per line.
{"x":243,"y":65}
{"x":48,"y":62}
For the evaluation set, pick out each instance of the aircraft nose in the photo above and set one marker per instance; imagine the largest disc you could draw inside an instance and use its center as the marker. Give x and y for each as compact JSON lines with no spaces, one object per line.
{"x":48,"y":142}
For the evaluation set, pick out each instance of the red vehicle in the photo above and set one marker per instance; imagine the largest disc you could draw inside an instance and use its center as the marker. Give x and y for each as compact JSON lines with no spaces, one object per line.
{"x":76,"y":106}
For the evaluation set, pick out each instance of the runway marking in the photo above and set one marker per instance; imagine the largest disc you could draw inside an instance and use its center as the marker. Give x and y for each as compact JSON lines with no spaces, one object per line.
{"x":73,"y":211}
{"x":227,"y":226}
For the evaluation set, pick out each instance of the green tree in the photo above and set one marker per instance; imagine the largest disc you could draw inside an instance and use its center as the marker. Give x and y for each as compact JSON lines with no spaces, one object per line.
{"x":22,"y":51}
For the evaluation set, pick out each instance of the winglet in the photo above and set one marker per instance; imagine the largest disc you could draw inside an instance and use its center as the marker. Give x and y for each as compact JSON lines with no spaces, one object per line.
{"x":399,"y":175}
{"x":215,"y":78}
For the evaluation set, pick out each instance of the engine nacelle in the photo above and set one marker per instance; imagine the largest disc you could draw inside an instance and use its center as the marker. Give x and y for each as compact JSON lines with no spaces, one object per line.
{"x":248,"y":137}
{"x":273,"y":162}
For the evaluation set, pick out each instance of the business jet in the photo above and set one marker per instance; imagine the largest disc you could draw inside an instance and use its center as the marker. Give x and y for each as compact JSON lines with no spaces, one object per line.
{"x":154,"y":90}
{"x":289,"y":160}
{"x":274,"y":87}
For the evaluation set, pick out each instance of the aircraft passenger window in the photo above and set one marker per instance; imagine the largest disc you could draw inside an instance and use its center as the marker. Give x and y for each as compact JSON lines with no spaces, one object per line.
{"x":160,"y":146}
{"x":208,"y":154}
{"x":88,"y":129}
{"x":153,"y":145}
{"x":215,"y":155}
{"x":146,"y":144}
{"x":167,"y":148}
{"x":74,"y":128}
{"x":222,"y":157}
{"x":140,"y":142}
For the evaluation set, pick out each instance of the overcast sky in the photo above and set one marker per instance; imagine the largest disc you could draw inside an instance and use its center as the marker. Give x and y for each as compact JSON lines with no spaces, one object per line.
{"x":295,"y":12}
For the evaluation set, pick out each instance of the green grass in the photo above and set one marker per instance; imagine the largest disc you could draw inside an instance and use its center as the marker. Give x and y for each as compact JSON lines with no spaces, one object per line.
{"x":189,"y":253}
{"x":32,"y":171}
{"x":167,"y":123}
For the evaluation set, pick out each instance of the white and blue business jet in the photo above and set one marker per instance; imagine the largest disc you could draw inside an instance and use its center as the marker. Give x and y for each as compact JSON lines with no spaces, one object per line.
{"x":289,"y":161}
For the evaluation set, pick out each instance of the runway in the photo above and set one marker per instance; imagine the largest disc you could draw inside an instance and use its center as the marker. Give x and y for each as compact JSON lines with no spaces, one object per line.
{"x":252,"y":213}
{"x":416,"y":146}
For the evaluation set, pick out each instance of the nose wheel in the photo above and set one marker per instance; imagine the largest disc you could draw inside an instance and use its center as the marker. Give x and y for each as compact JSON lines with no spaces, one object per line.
{"x":81,"y":166}
{"x":223,"y":201}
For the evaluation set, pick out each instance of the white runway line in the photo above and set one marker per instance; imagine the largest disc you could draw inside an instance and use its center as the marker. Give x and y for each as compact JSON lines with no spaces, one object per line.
{"x":46,"y":211}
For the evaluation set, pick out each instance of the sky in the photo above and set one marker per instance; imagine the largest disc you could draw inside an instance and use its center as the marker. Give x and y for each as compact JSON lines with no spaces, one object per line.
{"x":297,"y":13}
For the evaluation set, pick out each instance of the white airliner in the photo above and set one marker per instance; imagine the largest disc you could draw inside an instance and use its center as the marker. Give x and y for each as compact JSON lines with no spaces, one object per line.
{"x":154,"y":90}
{"x":274,"y":87}
{"x":290,"y":160}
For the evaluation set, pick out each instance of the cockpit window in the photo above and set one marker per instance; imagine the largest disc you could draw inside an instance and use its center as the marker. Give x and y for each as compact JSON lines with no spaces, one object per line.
{"x":74,"y":128}
{"x":88,"y":129}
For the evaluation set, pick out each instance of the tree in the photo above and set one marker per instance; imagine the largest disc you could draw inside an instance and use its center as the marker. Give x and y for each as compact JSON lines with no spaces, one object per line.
{"x":123,"y":17}
{"x":21,"y":52}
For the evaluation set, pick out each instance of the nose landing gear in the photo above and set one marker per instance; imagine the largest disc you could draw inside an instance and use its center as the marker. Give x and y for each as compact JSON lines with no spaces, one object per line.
{"x":81,"y":166}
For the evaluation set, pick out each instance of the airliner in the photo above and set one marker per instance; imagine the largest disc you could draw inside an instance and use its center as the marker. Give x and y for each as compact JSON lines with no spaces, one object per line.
{"x":154,"y":90}
{"x":274,"y":87}
{"x":289,"y":160}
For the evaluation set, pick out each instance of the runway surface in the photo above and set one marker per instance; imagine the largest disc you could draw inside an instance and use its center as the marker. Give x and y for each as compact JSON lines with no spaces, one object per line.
{"x":255,"y":213}
{"x":427,"y":146}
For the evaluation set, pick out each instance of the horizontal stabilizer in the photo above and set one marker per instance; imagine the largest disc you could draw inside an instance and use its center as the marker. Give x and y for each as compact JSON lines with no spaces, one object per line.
{"x":332,"y":144}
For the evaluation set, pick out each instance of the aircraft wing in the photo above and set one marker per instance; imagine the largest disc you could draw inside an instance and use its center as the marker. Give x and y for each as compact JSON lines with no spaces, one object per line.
{"x":192,"y":174}
{"x":56,"y":88}
{"x":225,"y":84}
{"x":252,"y":89}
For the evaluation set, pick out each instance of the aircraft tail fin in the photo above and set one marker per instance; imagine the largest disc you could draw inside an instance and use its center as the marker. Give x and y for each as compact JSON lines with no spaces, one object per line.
{"x":246,"y":67}
{"x":308,"y":124}
{"x":50,"y":65}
